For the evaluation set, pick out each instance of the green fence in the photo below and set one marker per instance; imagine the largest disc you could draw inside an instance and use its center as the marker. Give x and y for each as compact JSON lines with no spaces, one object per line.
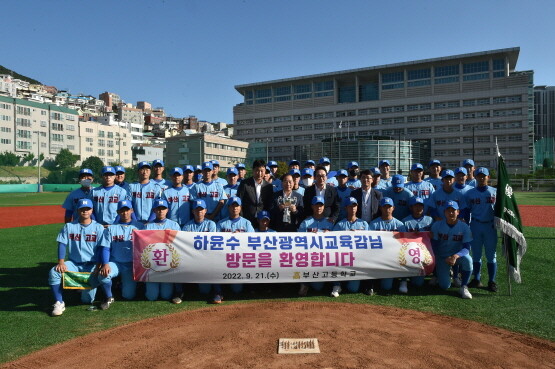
{"x":19,"y":188}
{"x":59,"y":187}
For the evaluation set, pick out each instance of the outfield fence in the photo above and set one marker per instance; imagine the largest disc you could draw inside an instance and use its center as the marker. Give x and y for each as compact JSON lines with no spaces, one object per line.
{"x":22,"y":188}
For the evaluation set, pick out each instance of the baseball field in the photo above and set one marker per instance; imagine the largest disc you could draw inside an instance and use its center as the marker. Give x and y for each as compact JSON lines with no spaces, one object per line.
{"x":426,"y":327}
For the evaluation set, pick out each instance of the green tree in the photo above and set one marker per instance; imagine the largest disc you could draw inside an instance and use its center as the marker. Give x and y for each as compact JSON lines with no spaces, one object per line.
{"x":28,"y":158}
{"x":9,"y":159}
{"x":65,"y":159}
{"x":547,"y":163}
{"x":94,"y":163}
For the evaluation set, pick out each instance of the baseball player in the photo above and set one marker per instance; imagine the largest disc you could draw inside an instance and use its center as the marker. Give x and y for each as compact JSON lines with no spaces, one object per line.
{"x":211,"y":192}
{"x":444,"y":194}
{"x":273,"y":165}
{"x":198,"y":174}
{"x":385,"y":168}
{"x":310,"y":164}
{"x":263,"y":222}
{"x":353,"y":182}
{"x":469,"y":166}
{"x":156,"y":289}
{"x":85,"y":192}
{"x":435,"y":173}
{"x":116,"y":254}
{"x":326,"y":163}
{"x":417,"y":221}
{"x":144,"y":192}
{"x":296,"y":174}
{"x":400,"y":196}
{"x":158,"y":172}
{"x":215,"y":172}
{"x":178,"y":197}
{"x":377,"y":183}
{"x":120,"y":178}
{"x":106,"y":197}
{"x":460,"y":180}
{"x":294,"y":164}
{"x":188,"y":176}
{"x":242,"y":171}
{"x":419,"y":187}
{"x":307,"y":179}
{"x":81,"y":239}
{"x":451,"y":241}
{"x":343,"y":191}
{"x":230,"y":189}
{"x":481,"y":202}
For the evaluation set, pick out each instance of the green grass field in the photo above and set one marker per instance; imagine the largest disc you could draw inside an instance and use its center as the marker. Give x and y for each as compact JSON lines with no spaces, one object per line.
{"x":25,"y":299}
{"x":23,"y":171}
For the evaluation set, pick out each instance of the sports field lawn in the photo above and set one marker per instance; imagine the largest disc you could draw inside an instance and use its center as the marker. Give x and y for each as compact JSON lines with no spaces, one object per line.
{"x":25,"y":299}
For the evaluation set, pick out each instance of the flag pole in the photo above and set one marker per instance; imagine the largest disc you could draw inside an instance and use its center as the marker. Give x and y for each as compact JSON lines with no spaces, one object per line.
{"x":505,"y":240}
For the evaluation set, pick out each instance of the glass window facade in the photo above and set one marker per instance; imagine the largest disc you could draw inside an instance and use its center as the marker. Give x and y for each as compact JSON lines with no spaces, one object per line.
{"x":448,"y":70}
{"x":347,"y":94}
{"x":419,"y":74}
{"x":476,"y":67}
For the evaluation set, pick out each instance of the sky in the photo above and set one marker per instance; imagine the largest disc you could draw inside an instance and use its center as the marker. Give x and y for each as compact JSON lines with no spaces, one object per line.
{"x":187,"y":55}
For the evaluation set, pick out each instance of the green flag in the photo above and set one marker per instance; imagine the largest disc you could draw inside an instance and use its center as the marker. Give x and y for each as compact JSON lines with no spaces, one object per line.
{"x":77,"y":281}
{"x":507,"y":220}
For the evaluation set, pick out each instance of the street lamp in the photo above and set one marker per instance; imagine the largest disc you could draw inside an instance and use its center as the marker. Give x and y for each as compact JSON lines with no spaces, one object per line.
{"x":38,"y":159}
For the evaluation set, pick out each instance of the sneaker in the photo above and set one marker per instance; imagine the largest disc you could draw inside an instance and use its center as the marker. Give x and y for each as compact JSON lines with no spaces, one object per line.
{"x":217,"y":299}
{"x":433,"y":281}
{"x":475,"y":283}
{"x":457,"y":282}
{"x":369,"y":292}
{"x":403,"y":287}
{"x":59,"y":308}
{"x":336,"y":290}
{"x":303,"y":290}
{"x":465,"y":293}
{"x":106,"y":304}
{"x":492,"y":286}
{"x":177,"y":300}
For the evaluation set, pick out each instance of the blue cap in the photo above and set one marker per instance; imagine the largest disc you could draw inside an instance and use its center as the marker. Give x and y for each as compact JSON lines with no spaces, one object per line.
{"x":307,"y":172}
{"x":384,"y":162}
{"x":232,"y":171}
{"x":461,"y":170}
{"x":386,"y":201}
{"x":263,"y":214}
{"x":434,"y":162}
{"x":447,"y":173}
{"x":341,"y":172}
{"x":177,"y":170}
{"x":268,"y":170}
{"x":85,"y":171}
{"x":85,"y":203}
{"x":352,"y":164}
{"x":215,"y":162}
{"x":159,"y":203}
{"x":318,"y":200}
{"x":482,"y":170}
{"x":188,"y":168}
{"x":143,"y":164}
{"x":347,"y":201}
{"x":272,"y":163}
{"x":468,"y":162}
{"x":452,"y":204}
{"x":398,"y":181}
{"x":309,"y":162}
{"x":376,"y":171}
{"x":199,"y":204}
{"x":416,"y":200}
{"x":198,"y":167}
{"x":207,"y":165}
{"x":125,"y":204}
{"x":108,"y":170}
{"x":119,"y":169}
{"x":295,"y":172}
{"x":234,"y":200}
{"x":294,"y":161}
{"x":199,"y":177}
{"x":417,"y":166}
{"x":240,"y":166}
{"x":324,"y":160}
{"x":158,"y":162}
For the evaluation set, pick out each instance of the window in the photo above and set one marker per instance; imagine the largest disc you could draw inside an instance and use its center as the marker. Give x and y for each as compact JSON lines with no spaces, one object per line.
{"x":440,"y":81}
{"x":101,"y":152}
{"x":110,"y":134}
{"x":498,"y":64}
{"x":56,"y":116}
{"x":418,"y":74}
{"x":449,"y":70}
{"x":446,"y":104}
{"x":23,"y":110}
{"x":262,"y":120}
{"x":89,"y":139}
{"x":88,"y":149}
{"x":57,"y":127}
{"x":57,"y":137}
{"x":387,"y":109}
{"x":483,"y":139}
{"x":370,"y":122}
{"x":323,"y":115}
{"x":475,"y":77}
{"x":5,"y":141}
{"x":100,"y":133}
{"x":298,"y":89}
{"x":323,"y":86}
{"x":23,"y":145}
{"x":70,"y":137}
{"x":284,"y":90}
{"x":392,"y":77}
{"x":425,"y":82}
{"x":476,"y":67}
{"x":101,"y":143}
{"x":89,"y":130}
{"x":5,"y":106}
{"x":302,"y":96}
{"x":23,"y":122}
{"x":368,"y":111}
{"x":5,"y":129}
{"x":6,"y":118}
{"x":348,"y":113}
{"x":23,"y":133}
{"x":286,"y":118}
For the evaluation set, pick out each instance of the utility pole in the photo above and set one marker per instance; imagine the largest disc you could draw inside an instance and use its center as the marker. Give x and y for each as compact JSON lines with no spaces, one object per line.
{"x":38,"y":159}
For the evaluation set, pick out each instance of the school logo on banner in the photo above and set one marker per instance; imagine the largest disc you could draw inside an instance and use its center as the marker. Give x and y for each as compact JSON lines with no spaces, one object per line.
{"x":160,"y":257}
{"x":414,"y":253}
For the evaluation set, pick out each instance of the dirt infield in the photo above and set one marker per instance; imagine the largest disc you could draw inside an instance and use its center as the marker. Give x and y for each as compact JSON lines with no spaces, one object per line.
{"x":22,"y":216}
{"x":350,"y":336}
{"x":537,"y":215}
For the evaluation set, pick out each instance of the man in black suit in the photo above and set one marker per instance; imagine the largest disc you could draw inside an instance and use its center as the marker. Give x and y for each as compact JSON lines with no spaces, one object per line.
{"x":255,"y":193}
{"x":321,"y":188}
{"x":367,"y":197}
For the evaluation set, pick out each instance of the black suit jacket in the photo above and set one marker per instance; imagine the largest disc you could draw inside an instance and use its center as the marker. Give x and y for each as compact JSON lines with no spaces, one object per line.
{"x":251,"y":207}
{"x":331,"y":202}
{"x":375,"y":196}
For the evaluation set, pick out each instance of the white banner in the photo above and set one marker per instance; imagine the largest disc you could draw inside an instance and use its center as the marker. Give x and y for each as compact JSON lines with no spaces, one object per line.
{"x":188,"y":257}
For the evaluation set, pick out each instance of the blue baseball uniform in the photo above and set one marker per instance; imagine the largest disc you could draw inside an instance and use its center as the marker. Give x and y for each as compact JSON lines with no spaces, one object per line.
{"x":391,"y":225}
{"x":381,"y":186}
{"x":343,"y":193}
{"x":70,"y":203}
{"x":221,"y":181}
{"x":423,"y":189}
{"x":436,"y":182}
{"x":269,"y":230}
{"x":105,"y":203}
{"x":206,"y":226}
{"x":422,"y":224}
{"x":448,"y":240}
{"x":230,"y":191}
{"x":401,"y":201}
{"x":179,"y":206}
{"x":238,"y":224}
{"x":332,"y":182}
{"x":300,"y":190}
{"x":142,"y":198}
{"x":439,"y":199}
{"x":354,"y":183}
{"x":211,"y":192}
{"x":481,"y":203}
{"x":311,"y":224}
{"x":163,"y":183}
{"x":357,"y":225}
{"x":125,"y":186}
{"x":277,"y":185}
{"x":471,"y":182}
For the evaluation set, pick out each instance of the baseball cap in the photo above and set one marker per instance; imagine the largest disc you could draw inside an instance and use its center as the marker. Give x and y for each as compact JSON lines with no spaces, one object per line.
{"x":125,"y":204}
{"x":158,"y":162}
{"x":85,"y":203}
{"x":417,"y":166}
{"x":233,"y":171}
{"x":447,"y":173}
{"x":215,"y":163}
{"x":324,"y":160}
{"x":240,"y":166}
{"x":352,"y":164}
{"x":177,"y":170}
{"x":272,"y":163}
{"x":318,"y":200}
{"x":108,"y":170}
{"x":294,"y":161}
{"x":188,"y":168}
{"x":143,"y":164}
{"x":376,"y":171}
{"x":386,"y":201}
{"x":341,"y":172}
{"x":398,"y":181}
{"x":85,"y":171}
{"x":295,"y":172}
{"x":416,"y":200}
{"x":384,"y":162}
{"x":198,"y":177}
{"x":452,"y":204}
{"x":199,"y":204}
{"x":332,"y":173}
{"x":434,"y":162}
{"x":347,"y":201}
{"x":461,"y":170}
{"x":198,"y":167}
{"x":309,"y":162}
{"x":482,"y":170}
{"x":468,"y":162}
{"x":159,"y":203}
{"x":119,"y":169}
{"x":307,"y":172}
{"x":234,"y":200}
{"x":207,"y":165}
{"x":263,"y":214}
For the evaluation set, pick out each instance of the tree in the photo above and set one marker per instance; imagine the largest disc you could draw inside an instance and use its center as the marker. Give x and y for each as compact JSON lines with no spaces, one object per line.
{"x":28,"y":158}
{"x":94,"y":163}
{"x":65,"y":159}
{"x":547,"y":162}
{"x":9,"y":159}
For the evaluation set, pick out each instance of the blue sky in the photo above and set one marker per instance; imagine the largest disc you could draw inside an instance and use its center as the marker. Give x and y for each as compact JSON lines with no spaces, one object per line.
{"x":188,"y":55}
